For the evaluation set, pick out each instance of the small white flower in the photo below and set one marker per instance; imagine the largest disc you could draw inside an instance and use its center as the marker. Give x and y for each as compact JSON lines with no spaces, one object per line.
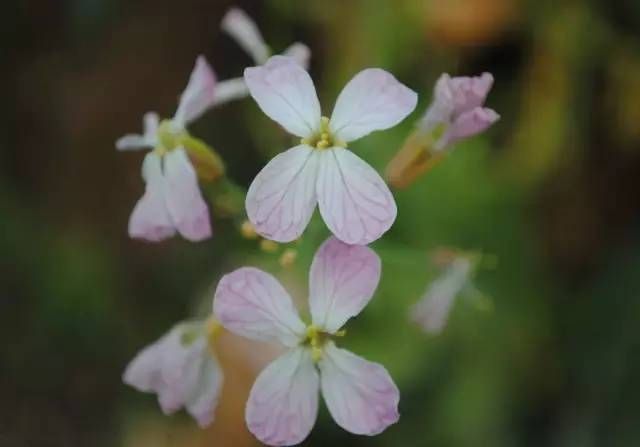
{"x":283,"y":403}
{"x":432,"y":311}
{"x":172,"y":199}
{"x":354,"y":201}
{"x":181,"y":370}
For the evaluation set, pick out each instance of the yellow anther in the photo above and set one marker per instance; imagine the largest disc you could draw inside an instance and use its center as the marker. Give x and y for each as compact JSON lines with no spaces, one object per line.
{"x":248,"y":231}
{"x":324,"y":136}
{"x":288,"y":257}
{"x":322,"y":144}
{"x":268,"y":246}
{"x":312,"y":332}
{"x":341,"y":333}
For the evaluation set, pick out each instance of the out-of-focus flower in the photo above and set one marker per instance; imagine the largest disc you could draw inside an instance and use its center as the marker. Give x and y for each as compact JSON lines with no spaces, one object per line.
{"x":245,"y":32}
{"x":432,"y":311}
{"x":458,"y":108}
{"x":288,"y":257}
{"x":283,"y":402}
{"x":354,"y":200}
{"x":172,"y":199}
{"x":181,"y":369}
{"x":455,"y":113}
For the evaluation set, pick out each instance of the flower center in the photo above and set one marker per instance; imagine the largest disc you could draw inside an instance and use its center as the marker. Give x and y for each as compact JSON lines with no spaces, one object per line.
{"x":323,"y":139}
{"x":169,"y":137}
{"x":315,"y":338}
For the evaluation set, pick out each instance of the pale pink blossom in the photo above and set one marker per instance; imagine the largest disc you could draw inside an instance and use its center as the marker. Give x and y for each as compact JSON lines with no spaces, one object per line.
{"x":181,"y":370}
{"x":245,"y":32}
{"x":458,"y":107}
{"x":172,"y":199}
{"x":354,"y":201}
{"x":432,"y":311}
{"x":283,"y":403}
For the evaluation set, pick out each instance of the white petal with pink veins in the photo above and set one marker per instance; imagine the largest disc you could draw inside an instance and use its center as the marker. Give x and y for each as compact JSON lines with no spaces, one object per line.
{"x":283,"y":403}
{"x":354,"y":200}
{"x":285,"y":92}
{"x":253,"y":304}
{"x":372,"y":100}
{"x":150,"y":218}
{"x":282,"y":197}
{"x":199,"y":94}
{"x":360,"y":394}
{"x":342,"y":281}
{"x":186,"y":206}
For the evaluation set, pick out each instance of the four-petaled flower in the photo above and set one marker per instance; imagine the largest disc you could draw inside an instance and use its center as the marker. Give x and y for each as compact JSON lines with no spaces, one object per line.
{"x":457,"y":109}
{"x":172,"y":199}
{"x":283,"y":402}
{"x":354,"y":201}
{"x":181,"y":370}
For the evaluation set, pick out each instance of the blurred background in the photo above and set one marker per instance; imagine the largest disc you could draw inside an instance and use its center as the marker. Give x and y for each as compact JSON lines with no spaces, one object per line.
{"x":551,"y":190}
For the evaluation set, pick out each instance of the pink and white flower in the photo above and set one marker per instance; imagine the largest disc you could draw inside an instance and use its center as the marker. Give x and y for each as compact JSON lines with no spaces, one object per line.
{"x":354,"y":201}
{"x":432,"y":311}
{"x":172,"y":199}
{"x":283,"y":403}
{"x":181,"y":370}
{"x":457,"y":107}
{"x":245,"y":32}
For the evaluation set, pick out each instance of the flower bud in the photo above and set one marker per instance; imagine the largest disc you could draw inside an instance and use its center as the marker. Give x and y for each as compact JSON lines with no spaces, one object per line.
{"x":416,"y":157}
{"x":208,"y":164}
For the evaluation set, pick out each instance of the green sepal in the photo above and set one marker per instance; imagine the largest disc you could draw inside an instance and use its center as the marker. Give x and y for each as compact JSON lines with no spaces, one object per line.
{"x":208,"y":164}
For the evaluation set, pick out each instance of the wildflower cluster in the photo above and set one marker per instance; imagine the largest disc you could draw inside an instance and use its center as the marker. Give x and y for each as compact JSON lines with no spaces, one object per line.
{"x":354,"y":202}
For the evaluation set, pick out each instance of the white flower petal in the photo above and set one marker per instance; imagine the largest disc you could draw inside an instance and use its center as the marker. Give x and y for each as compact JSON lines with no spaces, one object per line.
{"x":354,"y":201}
{"x":283,"y":403}
{"x":186,"y":206}
{"x":151,"y":122}
{"x":282,"y":197}
{"x":199,"y":94}
{"x":132,"y":142}
{"x":285,"y":92}
{"x":180,"y":367}
{"x":244,"y":30}
{"x":341,"y":282}
{"x":143,"y":372}
{"x":372,"y":100}
{"x":145,"y":141}
{"x":300,"y":53}
{"x":150,"y":218}
{"x":360,"y":394}
{"x":204,"y":397}
{"x":432,"y":311}
{"x":253,"y":304}
{"x":230,"y":90}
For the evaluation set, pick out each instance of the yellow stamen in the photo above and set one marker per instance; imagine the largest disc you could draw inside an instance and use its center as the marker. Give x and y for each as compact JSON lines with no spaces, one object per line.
{"x":268,"y":246}
{"x":288,"y":257}
{"x":248,"y":231}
